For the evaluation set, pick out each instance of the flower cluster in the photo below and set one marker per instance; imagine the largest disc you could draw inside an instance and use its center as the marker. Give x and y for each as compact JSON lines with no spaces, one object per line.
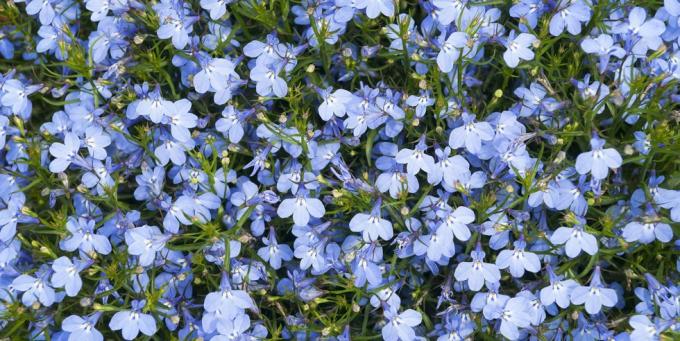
{"x":334,"y":169}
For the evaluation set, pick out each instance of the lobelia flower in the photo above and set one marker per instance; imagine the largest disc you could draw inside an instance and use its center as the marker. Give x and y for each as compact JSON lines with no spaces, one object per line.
{"x":372,"y":226}
{"x":365,"y":269}
{"x":513,"y":316}
{"x":416,"y":159}
{"x":642,"y":142}
{"x":82,"y":329}
{"x":528,"y":11}
{"x":65,"y":153}
{"x":66,"y":275}
{"x":535,"y":308}
{"x":603,"y":45}
{"x":420,"y":102}
{"x":35,"y":289}
{"x":171,"y":150}
{"x":229,"y":302}
{"x":268,"y":80}
{"x":181,"y":120}
{"x":232,"y":122}
{"x":176,"y":27}
{"x":645,"y":34}
{"x":214,"y":74}
{"x":301,"y":208}
{"x":84,"y":238}
{"x":273,"y":252}
{"x":575,"y":240}
{"x":437,"y":245}
{"x":145,"y":241}
{"x":133,"y":321}
{"x":471,"y":134}
{"x":376,"y":7}
{"x":648,"y":229}
{"x":456,"y":221}
{"x":334,"y":104}
{"x":559,"y":290}
{"x":570,"y":14}
{"x":595,"y":295}
{"x":10,"y":217}
{"x":16,"y":96}
{"x":517,"y":48}
{"x":518,"y":260}
{"x":96,"y":140}
{"x":452,"y":48}
{"x":599,"y":160}
{"x":43,"y":8}
{"x":477,"y":273}
{"x":489,"y":302}
{"x":645,"y":329}
{"x":216,"y":8}
{"x":400,"y":326}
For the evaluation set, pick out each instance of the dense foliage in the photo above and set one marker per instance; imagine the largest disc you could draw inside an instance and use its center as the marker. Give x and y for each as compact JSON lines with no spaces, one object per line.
{"x":339,"y":169}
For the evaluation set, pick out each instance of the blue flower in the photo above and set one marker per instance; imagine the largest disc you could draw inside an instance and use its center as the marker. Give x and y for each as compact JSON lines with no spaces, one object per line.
{"x":456,"y":221}
{"x":518,"y":260}
{"x":173,"y":150}
{"x":376,"y":7}
{"x":16,"y":96}
{"x":570,"y":14}
{"x":599,"y":160}
{"x":400,"y":326}
{"x":181,"y":120}
{"x":301,"y":208}
{"x":420,"y":102}
{"x":528,"y":11}
{"x":644,"y":34}
{"x":84,"y":238}
{"x":416,"y":159}
{"x":274,"y":252}
{"x":471,"y":134}
{"x":268,"y":80}
{"x":214,"y":74}
{"x":452,"y":48}
{"x":64,"y":153}
{"x":642,"y":142}
{"x":575,"y":240}
{"x":365,"y":270}
{"x":82,"y":329}
{"x":595,"y":295}
{"x":372,"y":226}
{"x":645,"y":329}
{"x":227,"y":301}
{"x":131,"y":322}
{"x":232,"y":122}
{"x":145,"y":242}
{"x":559,"y":290}
{"x":477,"y":273}
{"x":603,"y":45}
{"x":176,"y":26}
{"x":647,"y":230}
{"x":96,"y":140}
{"x":66,"y":275}
{"x":335,"y":103}
{"x":43,"y":8}
{"x":437,"y":245}
{"x":490,"y":302}
{"x":35,"y":289}
{"x":10,"y":217}
{"x":513,"y":316}
{"x":517,"y":48}
{"x":217,"y":8}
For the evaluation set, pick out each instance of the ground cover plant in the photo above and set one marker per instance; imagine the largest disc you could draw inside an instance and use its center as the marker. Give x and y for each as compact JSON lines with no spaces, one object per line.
{"x":339,"y":169}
